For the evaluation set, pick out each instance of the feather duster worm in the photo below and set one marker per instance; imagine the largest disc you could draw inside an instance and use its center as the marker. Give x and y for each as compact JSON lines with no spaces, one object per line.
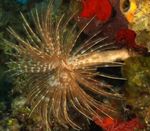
{"x":62,"y":73}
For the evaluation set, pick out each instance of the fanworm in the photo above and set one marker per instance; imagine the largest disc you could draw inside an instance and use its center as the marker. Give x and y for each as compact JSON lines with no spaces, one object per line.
{"x":62,"y":73}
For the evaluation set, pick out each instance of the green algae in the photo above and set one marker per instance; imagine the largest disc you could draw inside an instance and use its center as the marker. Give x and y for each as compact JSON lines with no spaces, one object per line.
{"x":137,"y":89}
{"x":137,"y":72}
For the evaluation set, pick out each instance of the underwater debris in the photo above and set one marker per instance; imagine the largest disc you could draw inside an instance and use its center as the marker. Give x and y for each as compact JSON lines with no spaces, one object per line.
{"x":61,"y":70}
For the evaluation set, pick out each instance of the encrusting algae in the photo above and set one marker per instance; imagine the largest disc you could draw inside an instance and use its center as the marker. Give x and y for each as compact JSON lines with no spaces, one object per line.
{"x":62,"y":71}
{"x":137,"y":12}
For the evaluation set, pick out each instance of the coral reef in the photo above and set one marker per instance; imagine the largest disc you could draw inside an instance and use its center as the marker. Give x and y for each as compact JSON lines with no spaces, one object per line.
{"x":104,"y":77}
